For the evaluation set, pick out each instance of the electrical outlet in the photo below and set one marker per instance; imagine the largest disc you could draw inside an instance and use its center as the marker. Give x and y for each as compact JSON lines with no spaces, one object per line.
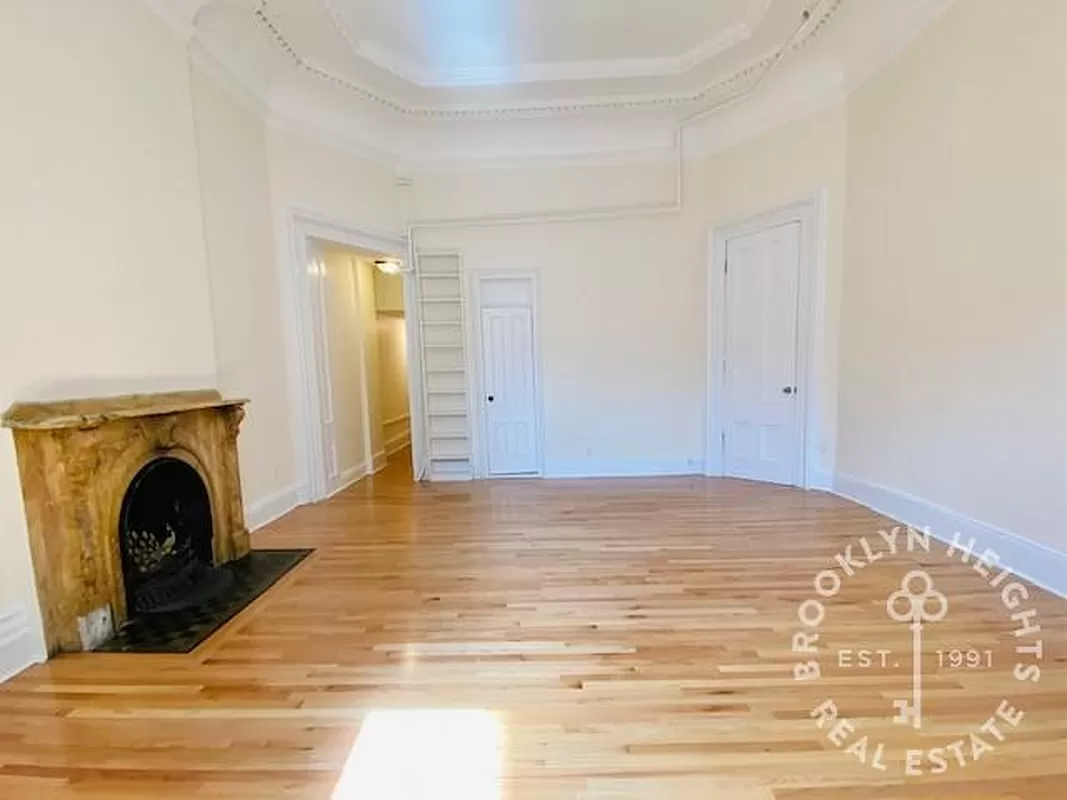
{"x":95,"y":628}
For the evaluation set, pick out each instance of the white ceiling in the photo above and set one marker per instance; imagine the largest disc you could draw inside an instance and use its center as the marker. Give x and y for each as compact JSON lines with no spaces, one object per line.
{"x":445,"y":80}
{"x":472,"y":42}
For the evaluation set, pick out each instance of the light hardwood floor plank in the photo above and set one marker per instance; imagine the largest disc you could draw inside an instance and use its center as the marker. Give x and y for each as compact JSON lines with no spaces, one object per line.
{"x":624,"y":639}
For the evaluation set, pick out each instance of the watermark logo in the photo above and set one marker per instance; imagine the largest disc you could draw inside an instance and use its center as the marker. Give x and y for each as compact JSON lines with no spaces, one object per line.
{"x":917,"y":602}
{"x":908,"y":604}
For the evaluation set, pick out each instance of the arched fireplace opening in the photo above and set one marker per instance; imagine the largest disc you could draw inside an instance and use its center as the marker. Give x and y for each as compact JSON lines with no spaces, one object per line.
{"x":165,"y":538}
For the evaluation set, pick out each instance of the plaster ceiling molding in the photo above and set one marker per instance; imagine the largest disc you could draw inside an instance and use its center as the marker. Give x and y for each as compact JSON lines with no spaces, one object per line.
{"x":518,"y":106}
{"x":289,"y":60}
{"x":415,"y":69}
{"x":725,"y":39}
{"x":234,"y":51}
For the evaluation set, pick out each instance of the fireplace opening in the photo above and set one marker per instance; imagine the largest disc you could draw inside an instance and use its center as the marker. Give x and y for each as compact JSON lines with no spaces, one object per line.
{"x":165,"y":536}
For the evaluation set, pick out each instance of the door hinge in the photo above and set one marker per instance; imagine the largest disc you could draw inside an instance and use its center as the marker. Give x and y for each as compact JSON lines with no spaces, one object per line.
{"x":726,"y":266}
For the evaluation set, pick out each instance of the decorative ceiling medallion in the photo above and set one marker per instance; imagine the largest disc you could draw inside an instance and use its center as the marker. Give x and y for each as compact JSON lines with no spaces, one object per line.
{"x":816,"y":21}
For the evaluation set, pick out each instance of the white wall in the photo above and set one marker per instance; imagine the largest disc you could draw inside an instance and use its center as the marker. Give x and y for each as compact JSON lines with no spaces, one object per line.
{"x":103,"y":275}
{"x":388,"y":292}
{"x":312,"y":178}
{"x":367,"y":362}
{"x":345,"y":347}
{"x":364,"y":271}
{"x":392,"y":361}
{"x":623,"y":303}
{"x":782,"y":166}
{"x":953,"y":337}
{"x":249,"y":343}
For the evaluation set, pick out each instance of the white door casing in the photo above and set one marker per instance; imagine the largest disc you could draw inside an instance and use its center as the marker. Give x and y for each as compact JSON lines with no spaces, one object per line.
{"x":509,"y":430}
{"x":301,"y":286}
{"x":328,"y":468}
{"x":760,"y":420}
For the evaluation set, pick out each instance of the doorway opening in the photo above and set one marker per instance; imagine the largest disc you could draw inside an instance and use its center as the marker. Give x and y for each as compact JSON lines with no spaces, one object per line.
{"x":360,"y":351}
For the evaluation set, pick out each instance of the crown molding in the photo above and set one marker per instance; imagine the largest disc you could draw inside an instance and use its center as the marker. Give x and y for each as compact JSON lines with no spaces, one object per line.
{"x":701,"y":140}
{"x":815,"y":86}
{"x":419,"y":74}
{"x":747,"y":122}
{"x":731,"y":37}
{"x":813,"y":25}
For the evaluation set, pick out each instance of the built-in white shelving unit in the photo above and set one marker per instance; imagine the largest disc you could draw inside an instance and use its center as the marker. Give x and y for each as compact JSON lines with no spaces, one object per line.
{"x":444,"y":363}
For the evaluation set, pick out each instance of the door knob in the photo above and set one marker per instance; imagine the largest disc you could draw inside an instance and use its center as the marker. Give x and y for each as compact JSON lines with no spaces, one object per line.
{"x":489,"y":398}
{"x":787,"y":390}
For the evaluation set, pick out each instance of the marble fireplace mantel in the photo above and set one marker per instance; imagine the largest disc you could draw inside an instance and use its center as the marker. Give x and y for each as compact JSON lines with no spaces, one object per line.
{"x":77,"y":459}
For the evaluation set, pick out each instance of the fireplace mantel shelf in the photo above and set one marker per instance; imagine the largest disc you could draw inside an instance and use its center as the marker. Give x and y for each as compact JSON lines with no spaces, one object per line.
{"x":97,"y":411}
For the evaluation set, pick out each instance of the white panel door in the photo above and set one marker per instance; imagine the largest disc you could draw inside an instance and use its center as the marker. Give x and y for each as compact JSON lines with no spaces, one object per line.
{"x":509,"y":391}
{"x":760,"y":408}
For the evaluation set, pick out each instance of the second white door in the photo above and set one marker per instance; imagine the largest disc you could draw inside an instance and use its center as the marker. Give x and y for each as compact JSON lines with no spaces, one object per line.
{"x":509,"y":391}
{"x":761,"y":422}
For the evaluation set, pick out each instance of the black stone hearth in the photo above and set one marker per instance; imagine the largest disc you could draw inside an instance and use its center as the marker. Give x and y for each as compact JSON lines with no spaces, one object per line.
{"x":180,"y":630}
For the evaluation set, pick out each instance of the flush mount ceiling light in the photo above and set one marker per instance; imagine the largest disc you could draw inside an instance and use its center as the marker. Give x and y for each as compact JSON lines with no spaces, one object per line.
{"x":389,"y":266}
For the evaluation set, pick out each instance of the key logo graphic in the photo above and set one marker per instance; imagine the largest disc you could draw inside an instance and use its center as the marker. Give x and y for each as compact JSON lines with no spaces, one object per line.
{"x":915,"y":606}
{"x":917,"y":639}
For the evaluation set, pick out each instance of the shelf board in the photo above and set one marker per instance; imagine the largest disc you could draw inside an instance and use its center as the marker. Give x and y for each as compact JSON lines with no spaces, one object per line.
{"x":454,"y":300}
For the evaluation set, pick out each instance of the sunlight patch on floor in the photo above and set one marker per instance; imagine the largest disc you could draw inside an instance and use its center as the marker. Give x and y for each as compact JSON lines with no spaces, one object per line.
{"x":425,"y":755}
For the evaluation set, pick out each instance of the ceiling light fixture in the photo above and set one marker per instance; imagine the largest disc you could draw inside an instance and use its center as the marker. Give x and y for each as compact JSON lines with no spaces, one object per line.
{"x":389,"y":266}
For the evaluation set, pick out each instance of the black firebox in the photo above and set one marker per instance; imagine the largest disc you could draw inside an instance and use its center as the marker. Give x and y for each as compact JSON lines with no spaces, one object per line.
{"x":165,"y":536}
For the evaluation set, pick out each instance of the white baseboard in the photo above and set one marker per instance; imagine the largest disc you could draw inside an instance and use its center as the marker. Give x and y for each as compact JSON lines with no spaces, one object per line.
{"x":1039,"y":564}
{"x":19,"y":646}
{"x":622,"y":468}
{"x":821,"y":480}
{"x":397,"y":443}
{"x":351,"y":475}
{"x":348,"y":477}
{"x":268,"y":509}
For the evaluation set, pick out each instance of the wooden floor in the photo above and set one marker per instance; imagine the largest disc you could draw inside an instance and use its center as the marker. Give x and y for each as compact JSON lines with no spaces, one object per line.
{"x":586,"y":640}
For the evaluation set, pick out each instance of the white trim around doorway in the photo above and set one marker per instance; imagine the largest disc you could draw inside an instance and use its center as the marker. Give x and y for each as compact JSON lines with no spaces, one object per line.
{"x":810,"y":212}
{"x":306,"y":317}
